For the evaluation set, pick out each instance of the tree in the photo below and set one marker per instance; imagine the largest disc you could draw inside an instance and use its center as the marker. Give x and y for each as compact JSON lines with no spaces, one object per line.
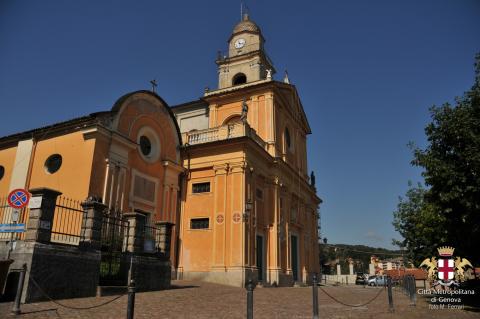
{"x":419,"y":223}
{"x":451,"y":163}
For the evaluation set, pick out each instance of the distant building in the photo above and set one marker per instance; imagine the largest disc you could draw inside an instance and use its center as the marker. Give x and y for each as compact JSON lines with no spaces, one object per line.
{"x":381,"y":266}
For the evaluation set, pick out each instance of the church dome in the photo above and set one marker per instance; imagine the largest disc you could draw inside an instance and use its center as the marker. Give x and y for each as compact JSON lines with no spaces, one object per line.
{"x":246,"y":25}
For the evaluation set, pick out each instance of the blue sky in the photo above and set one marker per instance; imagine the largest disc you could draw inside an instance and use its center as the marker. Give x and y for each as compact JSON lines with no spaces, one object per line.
{"x":367,"y":71}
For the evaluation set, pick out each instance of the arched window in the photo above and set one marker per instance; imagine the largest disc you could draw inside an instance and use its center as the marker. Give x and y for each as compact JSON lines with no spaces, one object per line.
{"x":232,"y":119}
{"x":239,"y":78}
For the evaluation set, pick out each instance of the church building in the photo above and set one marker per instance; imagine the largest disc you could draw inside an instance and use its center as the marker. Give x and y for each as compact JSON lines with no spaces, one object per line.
{"x":229,"y":170}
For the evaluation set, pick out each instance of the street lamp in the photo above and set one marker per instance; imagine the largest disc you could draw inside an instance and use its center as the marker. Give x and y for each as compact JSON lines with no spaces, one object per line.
{"x":248,"y":209}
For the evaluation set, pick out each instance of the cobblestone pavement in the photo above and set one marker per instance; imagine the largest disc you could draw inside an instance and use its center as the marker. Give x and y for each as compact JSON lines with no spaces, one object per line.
{"x":204,"y":300}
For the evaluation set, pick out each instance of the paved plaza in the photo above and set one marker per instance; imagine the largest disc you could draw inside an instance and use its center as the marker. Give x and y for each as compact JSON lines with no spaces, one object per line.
{"x":204,"y":300}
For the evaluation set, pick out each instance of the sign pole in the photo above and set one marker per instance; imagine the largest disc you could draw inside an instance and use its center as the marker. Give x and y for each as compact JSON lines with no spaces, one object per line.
{"x":10,"y":248}
{"x":15,"y":215}
{"x":17,"y":199}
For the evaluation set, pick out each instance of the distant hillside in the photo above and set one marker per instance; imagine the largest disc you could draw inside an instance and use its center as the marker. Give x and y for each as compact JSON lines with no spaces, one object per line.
{"x":359,"y":253}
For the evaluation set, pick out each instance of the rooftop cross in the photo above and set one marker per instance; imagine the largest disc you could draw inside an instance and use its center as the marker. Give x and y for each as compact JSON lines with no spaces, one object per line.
{"x":154,"y":85}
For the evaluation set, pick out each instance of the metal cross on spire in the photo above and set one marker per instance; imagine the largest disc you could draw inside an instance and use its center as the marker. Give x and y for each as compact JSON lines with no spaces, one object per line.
{"x":244,"y":10}
{"x":154,"y":85}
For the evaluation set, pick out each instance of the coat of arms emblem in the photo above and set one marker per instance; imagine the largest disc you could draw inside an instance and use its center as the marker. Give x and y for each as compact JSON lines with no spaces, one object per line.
{"x":447,"y":270}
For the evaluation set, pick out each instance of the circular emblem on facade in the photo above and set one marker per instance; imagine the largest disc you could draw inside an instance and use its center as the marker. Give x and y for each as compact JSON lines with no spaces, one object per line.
{"x":237,"y":218}
{"x":220,"y":219}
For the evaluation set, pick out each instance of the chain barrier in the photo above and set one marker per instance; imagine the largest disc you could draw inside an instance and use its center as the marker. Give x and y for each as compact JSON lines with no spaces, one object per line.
{"x":349,"y":305}
{"x":71,"y":307}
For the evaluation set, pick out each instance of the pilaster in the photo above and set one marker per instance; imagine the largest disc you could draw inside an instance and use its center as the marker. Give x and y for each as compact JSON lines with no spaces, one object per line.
{"x":220,"y":216}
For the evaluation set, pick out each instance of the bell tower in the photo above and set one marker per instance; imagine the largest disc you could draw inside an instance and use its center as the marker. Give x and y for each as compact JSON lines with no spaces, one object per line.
{"x":246,"y":60}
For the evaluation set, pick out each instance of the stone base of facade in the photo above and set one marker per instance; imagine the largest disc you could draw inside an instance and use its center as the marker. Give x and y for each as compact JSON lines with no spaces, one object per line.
{"x":278,"y":278}
{"x":237,"y":276}
{"x":152,"y":273}
{"x":225,"y":276}
{"x":61,"y":271}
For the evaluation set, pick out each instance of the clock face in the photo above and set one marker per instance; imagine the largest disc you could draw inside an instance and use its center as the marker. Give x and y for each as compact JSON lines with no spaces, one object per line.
{"x":239,"y":43}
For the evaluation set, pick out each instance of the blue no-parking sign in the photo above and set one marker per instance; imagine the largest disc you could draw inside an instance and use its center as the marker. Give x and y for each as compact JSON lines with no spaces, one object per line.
{"x":18,"y":198}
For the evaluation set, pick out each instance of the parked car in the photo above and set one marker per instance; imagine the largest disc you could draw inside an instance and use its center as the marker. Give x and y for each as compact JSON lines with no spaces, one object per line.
{"x":361,"y":279}
{"x":377,"y":280}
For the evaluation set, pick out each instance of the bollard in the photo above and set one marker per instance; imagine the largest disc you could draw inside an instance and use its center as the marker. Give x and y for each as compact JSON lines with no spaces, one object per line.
{"x":413,"y":296}
{"x":407,"y":285}
{"x":131,"y":300}
{"x":390,"y":296}
{"x":18,"y":297}
{"x":250,"y":287}
{"x":315,"y":297}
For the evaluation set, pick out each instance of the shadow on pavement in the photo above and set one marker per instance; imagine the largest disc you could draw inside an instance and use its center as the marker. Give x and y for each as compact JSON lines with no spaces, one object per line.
{"x":182,"y":287}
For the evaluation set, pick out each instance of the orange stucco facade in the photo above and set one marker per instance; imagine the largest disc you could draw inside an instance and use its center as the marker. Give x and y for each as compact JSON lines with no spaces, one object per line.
{"x":261,"y":209}
{"x":101,"y":158}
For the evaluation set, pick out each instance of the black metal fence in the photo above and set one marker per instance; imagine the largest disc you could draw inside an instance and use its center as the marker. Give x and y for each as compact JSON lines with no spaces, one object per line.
{"x":114,"y":259}
{"x":157,"y":240}
{"x":67,"y":221}
{"x":150,"y":239}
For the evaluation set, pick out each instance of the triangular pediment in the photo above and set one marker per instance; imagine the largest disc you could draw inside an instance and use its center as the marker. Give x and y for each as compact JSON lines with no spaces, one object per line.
{"x":289,"y":97}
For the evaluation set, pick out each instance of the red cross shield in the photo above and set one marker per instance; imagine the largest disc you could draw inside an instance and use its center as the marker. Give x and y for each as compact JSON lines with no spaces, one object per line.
{"x":446,"y":269}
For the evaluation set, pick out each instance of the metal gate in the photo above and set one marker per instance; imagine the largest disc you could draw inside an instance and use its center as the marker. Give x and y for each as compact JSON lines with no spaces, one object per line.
{"x":114,"y":258}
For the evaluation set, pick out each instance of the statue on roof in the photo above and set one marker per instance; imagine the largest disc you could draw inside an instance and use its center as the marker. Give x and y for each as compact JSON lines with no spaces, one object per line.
{"x":243,"y":117}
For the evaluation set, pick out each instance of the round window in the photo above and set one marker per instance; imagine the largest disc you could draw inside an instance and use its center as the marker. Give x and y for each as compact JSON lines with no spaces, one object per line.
{"x":148,"y":144}
{"x":145,"y":145}
{"x":2,"y":172}
{"x":53,"y":163}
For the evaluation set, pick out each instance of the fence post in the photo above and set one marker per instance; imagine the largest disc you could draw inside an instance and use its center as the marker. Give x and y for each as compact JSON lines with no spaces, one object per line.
{"x":40,"y":219}
{"x":390,"y":296}
{"x":315,"y":296}
{"x":250,"y":287}
{"x":131,"y":299}
{"x":136,"y":230}
{"x":164,"y":237}
{"x":92,"y":223}
{"x":18,"y":297}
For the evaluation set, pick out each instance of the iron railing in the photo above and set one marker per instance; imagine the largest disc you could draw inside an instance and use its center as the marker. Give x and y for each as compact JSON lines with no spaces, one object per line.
{"x":114,"y":232}
{"x":157,"y":240}
{"x":114,"y":259}
{"x":67,"y":221}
